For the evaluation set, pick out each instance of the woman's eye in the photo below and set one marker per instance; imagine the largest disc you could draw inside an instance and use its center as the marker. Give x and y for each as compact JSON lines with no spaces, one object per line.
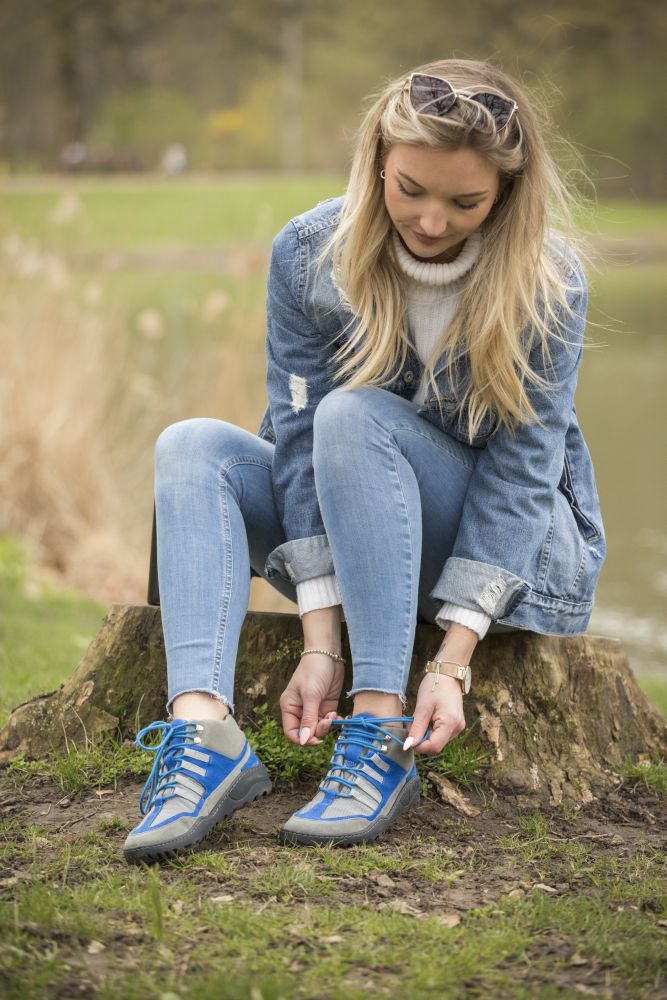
{"x":466,"y":208}
{"x":410,"y":194}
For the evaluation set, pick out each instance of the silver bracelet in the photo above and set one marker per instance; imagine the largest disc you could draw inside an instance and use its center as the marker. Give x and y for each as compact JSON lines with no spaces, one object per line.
{"x":334,"y":656}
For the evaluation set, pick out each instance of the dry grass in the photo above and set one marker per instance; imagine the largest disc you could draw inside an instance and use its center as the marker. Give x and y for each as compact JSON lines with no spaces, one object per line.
{"x":81,"y":405}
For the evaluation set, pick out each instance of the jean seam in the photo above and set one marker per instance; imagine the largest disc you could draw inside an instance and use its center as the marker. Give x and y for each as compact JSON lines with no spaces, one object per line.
{"x":394,"y":449}
{"x":223,"y":615}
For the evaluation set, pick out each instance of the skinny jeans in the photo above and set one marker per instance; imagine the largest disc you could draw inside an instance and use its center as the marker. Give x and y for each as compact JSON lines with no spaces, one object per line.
{"x":390,"y":487}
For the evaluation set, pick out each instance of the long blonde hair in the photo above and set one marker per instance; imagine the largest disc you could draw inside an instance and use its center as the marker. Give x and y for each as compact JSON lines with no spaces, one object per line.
{"x":518,"y":286}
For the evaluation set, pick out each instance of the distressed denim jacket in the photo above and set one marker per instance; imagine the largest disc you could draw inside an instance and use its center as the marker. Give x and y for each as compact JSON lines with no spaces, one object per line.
{"x":530,"y":543}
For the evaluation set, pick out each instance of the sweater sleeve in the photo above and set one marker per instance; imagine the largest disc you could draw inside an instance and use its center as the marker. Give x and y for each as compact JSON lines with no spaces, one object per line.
{"x":318,"y":592}
{"x":478,"y":621}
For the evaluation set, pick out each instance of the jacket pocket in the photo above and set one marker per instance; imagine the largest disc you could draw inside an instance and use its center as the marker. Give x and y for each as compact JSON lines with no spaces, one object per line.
{"x":564,"y":558}
{"x":446,"y":412}
{"x":588,"y":529}
{"x":266,"y":431}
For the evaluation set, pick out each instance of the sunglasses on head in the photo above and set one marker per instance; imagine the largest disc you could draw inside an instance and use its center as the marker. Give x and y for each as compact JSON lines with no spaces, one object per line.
{"x":431,"y":95}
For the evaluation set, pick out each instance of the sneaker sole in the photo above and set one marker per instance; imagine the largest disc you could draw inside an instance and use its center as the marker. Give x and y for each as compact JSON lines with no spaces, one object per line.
{"x":406,"y":799}
{"x":252,"y":784}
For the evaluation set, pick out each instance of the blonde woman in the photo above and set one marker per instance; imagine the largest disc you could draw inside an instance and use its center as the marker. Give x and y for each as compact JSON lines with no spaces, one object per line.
{"x":419,"y":460}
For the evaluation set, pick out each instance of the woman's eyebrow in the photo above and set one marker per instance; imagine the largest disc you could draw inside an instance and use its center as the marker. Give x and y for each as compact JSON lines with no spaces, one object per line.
{"x":468,"y":194}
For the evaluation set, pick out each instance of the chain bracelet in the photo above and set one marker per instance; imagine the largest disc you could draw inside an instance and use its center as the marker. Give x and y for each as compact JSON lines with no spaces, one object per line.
{"x":334,"y":656}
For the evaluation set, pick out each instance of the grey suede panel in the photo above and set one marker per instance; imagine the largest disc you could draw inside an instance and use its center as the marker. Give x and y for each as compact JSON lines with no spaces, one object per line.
{"x":222,"y":735}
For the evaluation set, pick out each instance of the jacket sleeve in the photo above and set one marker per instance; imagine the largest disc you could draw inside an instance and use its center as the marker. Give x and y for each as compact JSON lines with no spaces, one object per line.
{"x":506,"y":513}
{"x":298,"y":377}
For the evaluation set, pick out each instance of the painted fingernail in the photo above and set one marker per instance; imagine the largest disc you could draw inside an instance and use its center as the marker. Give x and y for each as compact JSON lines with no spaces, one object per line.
{"x":408,"y":743}
{"x":305,"y":736}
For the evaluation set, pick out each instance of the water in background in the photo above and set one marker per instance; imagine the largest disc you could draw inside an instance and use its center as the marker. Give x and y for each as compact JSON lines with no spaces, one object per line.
{"x":622,"y":406}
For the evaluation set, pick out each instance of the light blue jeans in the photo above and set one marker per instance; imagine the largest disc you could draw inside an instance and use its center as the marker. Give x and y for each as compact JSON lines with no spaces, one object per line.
{"x":390,"y":487}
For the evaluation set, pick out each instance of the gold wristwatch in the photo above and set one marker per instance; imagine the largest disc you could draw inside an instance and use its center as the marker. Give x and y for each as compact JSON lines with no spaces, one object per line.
{"x":450,"y":669}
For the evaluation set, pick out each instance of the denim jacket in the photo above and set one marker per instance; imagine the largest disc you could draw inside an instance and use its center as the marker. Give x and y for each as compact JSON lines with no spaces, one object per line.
{"x":530,"y":543}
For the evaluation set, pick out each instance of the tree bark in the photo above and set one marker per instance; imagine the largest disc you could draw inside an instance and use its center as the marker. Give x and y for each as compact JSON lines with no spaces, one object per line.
{"x":557,"y":716}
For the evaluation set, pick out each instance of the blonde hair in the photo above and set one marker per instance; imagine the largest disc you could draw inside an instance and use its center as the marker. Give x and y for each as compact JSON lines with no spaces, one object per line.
{"x":519,"y":284}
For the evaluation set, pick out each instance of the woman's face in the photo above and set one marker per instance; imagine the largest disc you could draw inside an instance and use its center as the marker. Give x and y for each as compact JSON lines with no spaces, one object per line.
{"x":436,"y":198}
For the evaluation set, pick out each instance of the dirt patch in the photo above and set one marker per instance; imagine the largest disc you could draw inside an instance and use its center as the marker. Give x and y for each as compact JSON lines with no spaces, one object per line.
{"x":484,"y":867}
{"x":512,"y":877}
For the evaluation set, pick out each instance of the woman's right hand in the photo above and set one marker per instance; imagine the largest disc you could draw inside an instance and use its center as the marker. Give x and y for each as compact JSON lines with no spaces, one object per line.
{"x":310,"y":700}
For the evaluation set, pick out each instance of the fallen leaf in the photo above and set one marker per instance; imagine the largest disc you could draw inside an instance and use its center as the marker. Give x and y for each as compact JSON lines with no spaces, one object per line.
{"x":578,"y":959}
{"x":384,"y":880}
{"x":448,"y":919}
{"x":103,"y":791}
{"x":545,"y":888}
{"x":402,"y":906}
{"x":516,"y":894}
{"x":449,"y":793}
{"x":95,"y":947}
{"x":331,"y":939}
{"x":178,"y":906}
{"x":221,"y":899}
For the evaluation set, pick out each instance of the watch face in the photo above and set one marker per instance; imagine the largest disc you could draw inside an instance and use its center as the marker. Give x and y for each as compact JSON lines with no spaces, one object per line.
{"x":467,"y":680}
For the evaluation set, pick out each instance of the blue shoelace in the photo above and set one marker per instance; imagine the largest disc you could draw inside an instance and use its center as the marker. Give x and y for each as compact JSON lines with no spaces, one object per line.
{"x":364,"y":733}
{"x":168,"y":756}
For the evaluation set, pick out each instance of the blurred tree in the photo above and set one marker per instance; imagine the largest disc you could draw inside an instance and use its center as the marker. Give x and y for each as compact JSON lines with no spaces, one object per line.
{"x":63,"y":61}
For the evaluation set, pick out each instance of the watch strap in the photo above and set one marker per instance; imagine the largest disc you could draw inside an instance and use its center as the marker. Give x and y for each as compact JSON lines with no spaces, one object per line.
{"x":450,"y":669}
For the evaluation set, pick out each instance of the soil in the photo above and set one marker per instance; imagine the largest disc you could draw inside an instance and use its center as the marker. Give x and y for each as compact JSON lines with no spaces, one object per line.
{"x":629,"y":820}
{"x":627,"y":823}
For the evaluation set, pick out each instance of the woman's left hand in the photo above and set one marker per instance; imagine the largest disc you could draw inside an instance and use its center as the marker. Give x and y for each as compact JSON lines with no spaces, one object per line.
{"x":439,"y":706}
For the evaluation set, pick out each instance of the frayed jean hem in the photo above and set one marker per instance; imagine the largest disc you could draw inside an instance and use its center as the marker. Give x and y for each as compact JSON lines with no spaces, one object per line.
{"x":214,"y":694}
{"x":361,"y":688}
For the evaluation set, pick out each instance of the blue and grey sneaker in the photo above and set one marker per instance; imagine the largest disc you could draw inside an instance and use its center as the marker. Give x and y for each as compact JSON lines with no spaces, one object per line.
{"x":371,"y":782}
{"x":203,"y":771}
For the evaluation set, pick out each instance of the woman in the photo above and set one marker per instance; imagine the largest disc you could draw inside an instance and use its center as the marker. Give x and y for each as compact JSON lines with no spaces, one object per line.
{"x":419,"y":460}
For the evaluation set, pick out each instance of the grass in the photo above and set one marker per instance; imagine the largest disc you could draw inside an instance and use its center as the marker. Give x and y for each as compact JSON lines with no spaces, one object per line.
{"x":79,"y":769}
{"x":43,"y":634}
{"x":185,"y":929}
{"x":149,"y":213}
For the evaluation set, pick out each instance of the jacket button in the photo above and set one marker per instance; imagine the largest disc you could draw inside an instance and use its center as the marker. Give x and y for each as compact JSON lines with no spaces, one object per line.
{"x":408,"y":377}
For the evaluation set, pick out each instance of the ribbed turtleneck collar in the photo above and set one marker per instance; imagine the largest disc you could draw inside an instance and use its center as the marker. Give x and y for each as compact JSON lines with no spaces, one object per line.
{"x":438,"y":274}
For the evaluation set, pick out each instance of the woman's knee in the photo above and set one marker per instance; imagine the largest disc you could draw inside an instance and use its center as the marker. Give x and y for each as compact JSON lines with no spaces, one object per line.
{"x":189,"y":442}
{"x":340,"y":405}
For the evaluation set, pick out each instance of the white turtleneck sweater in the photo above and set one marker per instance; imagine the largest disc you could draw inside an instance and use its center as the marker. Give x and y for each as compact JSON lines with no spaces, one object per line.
{"x":433,"y":292}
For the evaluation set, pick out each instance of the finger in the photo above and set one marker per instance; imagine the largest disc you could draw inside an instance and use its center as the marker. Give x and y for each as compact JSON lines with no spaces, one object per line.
{"x":291,"y":719}
{"x":438,"y":738}
{"x":419,"y":725}
{"x":324,"y":724}
{"x":309,"y":718}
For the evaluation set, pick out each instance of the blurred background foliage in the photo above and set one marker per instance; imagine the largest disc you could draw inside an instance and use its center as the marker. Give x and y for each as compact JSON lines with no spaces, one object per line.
{"x":277,"y":83}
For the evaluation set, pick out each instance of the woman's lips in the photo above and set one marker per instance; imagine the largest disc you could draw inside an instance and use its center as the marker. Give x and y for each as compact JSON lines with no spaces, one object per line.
{"x":426,"y":239}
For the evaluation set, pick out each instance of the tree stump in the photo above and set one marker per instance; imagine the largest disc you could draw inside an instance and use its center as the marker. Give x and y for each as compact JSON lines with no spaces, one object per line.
{"x":558,"y":716}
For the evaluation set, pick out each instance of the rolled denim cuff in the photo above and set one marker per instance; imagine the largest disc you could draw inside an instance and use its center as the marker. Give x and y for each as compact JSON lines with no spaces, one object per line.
{"x":300,"y":559}
{"x":480,"y":587}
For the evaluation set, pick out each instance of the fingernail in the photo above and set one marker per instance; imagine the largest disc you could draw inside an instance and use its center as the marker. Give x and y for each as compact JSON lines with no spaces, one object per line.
{"x":305,"y":735}
{"x":408,"y":743}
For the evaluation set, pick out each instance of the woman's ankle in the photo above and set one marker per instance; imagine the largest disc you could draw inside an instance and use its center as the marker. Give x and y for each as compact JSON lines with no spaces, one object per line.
{"x":379,"y":703}
{"x":198,"y":705}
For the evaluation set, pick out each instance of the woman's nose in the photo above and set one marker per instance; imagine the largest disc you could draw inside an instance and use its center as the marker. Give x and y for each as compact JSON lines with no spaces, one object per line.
{"x":433,"y":223}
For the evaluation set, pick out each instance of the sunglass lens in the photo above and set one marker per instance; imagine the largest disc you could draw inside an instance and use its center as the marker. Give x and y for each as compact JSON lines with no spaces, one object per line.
{"x":429,"y":95}
{"x":500,"y":109}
